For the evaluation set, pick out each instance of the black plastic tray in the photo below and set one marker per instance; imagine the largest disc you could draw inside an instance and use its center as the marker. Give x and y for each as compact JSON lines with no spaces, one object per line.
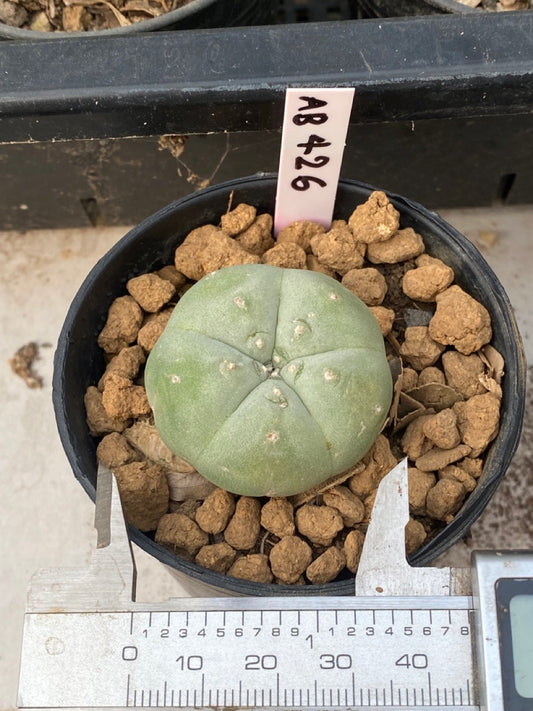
{"x":443,"y":110}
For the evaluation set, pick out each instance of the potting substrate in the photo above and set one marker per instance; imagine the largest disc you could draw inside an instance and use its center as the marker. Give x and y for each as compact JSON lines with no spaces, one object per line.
{"x":445,"y":413}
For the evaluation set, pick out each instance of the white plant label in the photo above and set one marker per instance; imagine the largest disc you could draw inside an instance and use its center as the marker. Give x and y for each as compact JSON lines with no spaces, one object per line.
{"x":315,"y":124}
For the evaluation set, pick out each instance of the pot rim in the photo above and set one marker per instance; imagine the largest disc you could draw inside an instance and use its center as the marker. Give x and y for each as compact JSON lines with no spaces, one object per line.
{"x":499,"y":459}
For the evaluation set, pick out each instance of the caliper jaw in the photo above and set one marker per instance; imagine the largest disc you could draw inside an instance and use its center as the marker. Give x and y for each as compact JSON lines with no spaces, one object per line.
{"x":109,"y":581}
{"x":383,"y":568}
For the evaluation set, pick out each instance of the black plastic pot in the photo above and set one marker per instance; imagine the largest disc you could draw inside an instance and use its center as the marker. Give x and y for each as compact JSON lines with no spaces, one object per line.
{"x":401,"y":8}
{"x":151,"y":244}
{"x":197,"y":14}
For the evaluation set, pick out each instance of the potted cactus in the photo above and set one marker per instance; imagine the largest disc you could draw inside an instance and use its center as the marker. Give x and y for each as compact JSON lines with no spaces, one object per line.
{"x":269,"y":380}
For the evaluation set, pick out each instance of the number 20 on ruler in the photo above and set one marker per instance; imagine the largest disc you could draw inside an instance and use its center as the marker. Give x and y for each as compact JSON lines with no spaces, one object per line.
{"x":315,"y":124}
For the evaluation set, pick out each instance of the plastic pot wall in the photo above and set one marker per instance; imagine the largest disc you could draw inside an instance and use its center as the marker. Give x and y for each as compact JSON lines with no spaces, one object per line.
{"x":197,"y":14}
{"x":150,"y":245}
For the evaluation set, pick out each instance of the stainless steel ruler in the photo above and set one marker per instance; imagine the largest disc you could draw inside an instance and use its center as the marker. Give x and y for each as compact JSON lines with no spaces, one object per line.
{"x":410,"y":638}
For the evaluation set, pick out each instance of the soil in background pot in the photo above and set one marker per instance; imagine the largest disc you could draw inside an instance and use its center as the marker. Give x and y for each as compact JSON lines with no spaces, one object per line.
{"x":401,"y":8}
{"x":444,"y":418}
{"x":54,"y":18}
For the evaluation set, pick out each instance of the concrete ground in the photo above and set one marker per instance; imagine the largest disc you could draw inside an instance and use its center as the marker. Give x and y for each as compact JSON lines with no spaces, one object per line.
{"x":47,"y":517}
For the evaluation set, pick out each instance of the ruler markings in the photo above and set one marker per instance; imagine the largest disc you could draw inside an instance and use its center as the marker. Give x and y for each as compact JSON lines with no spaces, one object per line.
{"x":128,"y":690}
{"x":439,"y":688}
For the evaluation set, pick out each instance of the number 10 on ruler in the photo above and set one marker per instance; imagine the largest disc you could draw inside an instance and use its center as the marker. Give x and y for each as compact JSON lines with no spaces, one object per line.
{"x":315,"y":124}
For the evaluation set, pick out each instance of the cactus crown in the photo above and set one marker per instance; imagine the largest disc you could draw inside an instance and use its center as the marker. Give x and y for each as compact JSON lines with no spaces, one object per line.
{"x":269,"y":380}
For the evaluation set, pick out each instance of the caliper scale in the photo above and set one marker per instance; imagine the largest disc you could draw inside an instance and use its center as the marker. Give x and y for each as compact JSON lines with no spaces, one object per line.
{"x":409,"y":638}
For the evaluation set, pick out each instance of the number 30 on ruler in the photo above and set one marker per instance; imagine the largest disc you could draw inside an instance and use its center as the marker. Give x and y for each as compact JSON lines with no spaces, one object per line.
{"x":312,"y":145}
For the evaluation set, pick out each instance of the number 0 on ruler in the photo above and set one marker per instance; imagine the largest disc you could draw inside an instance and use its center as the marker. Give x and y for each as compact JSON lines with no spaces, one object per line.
{"x":315,"y":124}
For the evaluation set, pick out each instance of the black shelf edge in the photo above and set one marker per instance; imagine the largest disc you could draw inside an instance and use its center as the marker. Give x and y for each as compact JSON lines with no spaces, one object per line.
{"x":204,"y":81}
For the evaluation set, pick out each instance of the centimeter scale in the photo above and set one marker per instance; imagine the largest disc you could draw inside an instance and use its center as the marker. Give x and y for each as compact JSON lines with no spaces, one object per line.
{"x":410,"y":638}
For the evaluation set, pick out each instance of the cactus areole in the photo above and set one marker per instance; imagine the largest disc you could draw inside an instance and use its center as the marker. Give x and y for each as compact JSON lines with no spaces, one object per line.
{"x":269,"y":380}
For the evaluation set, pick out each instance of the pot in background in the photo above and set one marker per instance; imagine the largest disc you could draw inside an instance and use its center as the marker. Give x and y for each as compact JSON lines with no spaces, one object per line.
{"x":196,"y":14}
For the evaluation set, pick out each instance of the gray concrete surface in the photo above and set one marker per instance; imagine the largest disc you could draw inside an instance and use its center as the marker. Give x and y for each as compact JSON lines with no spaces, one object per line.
{"x":47,"y":517}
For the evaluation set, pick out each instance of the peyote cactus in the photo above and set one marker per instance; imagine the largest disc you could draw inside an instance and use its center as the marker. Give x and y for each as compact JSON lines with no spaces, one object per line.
{"x":269,"y":380}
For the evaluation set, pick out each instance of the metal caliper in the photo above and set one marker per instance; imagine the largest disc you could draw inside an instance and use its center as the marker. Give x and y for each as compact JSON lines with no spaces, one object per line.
{"x":409,"y":638}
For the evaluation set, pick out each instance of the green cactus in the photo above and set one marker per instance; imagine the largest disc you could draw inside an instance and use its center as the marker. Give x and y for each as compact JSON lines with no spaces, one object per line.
{"x":269,"y":380}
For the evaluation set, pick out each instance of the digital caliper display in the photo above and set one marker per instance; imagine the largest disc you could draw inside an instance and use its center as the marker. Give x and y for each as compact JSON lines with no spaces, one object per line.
{"x":514,"y":598}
